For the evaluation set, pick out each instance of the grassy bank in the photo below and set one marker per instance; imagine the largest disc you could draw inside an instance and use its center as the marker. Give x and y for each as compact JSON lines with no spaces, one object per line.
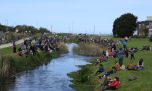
{"x":11,"y":64}
{"x":85,"y":79}
{"x":92,"y":83}
{"x":89,"y":49}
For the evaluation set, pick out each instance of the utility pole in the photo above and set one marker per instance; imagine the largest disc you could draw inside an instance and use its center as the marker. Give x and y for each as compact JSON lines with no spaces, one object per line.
{"x":94,"y":29}
{"x":7,"y":26}
{"x":72,"y":28}
{"x":51,"y":28}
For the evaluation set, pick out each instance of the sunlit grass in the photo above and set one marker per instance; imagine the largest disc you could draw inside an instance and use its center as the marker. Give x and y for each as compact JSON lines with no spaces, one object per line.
{"x":143,"y":83}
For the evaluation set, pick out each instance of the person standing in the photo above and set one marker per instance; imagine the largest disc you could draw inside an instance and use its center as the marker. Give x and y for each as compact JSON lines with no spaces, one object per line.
{"x":132,"y":54}
{"x":125,"y":44}
{"x":120,"y":56}
{"x":14,"y":46}
{"x":126,"y":53}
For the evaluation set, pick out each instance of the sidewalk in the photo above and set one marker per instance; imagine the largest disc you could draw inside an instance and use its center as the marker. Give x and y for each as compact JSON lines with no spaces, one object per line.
{"x":10,"y":44}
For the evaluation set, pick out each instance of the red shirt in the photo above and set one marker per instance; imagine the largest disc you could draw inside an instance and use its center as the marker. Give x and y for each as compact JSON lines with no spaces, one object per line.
{"x":115,"y":84}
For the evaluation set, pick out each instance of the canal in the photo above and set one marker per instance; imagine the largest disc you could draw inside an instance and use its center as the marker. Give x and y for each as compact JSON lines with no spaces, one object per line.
{"x":51,"y":76}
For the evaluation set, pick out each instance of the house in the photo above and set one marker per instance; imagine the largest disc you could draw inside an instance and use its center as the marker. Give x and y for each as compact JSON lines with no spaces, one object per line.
{"x":144,"y":28}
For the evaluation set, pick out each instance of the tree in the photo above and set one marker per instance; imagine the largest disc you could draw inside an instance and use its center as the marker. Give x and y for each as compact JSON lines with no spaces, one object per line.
{"x":26,"y":29}
{"x":3,"y":28}
{"x":125,"y":25}
{"x":43,"y":30}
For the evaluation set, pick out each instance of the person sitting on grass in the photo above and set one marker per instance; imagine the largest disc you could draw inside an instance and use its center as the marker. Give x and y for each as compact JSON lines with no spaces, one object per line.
{"x":146,"y":47}
{"x":117,"y":67}
{"x":103,"y":59}
{"x":140,"y":65}
{"x":104,"y":53}
{"x":105,"y":81}
{"x":131,"y":66}
{"x":110,"y":52}
{"x":100,"y":70}
{"x":113,"y":70}
{"x":108,"y":73}
{"x":97,"y":61}
{"x":19,"y":53}
{"x":113,"y":84}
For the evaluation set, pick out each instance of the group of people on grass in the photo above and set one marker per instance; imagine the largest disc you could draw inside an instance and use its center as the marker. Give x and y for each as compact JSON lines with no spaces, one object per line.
{"x":100,"y":41}
{"x":28,"y":47}
{"x":118,"y":54}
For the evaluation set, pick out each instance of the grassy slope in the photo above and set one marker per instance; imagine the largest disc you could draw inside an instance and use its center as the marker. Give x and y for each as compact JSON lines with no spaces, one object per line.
{"x":143,"y":83}
{"x":6,"y":51}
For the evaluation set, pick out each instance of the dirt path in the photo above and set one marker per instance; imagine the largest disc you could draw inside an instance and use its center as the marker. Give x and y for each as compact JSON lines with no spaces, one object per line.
{"x":10,"y":44}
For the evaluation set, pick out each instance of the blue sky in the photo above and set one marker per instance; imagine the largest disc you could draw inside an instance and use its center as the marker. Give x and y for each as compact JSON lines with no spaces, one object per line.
{"x":75,"y":16}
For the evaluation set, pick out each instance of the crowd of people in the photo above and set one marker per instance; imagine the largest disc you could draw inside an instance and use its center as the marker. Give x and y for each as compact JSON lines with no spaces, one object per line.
{"x":115,"y":51}
{"x":33,"y":46}
{"x":118,"y":53}
{"x":99,"y":40}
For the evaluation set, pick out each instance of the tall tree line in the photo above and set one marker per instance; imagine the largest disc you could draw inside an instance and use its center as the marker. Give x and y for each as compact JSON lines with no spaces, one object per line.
{"x":23,"y":29}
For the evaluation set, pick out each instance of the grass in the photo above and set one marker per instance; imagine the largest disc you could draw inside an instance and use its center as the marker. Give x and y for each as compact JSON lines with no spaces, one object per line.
{"x":143,"y":83}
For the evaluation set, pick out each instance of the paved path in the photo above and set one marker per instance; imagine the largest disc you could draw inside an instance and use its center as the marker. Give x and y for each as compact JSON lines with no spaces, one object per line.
{"x":10,"y":44}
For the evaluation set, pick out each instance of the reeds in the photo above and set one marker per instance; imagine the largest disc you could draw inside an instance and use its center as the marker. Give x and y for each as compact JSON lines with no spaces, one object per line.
{"x":61,"y":47}
{"x":6,"y":66}
{"x":88,"y":49}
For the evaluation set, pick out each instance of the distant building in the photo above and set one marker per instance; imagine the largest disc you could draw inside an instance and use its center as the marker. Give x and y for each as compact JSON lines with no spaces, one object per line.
{"x":145,"y":27}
